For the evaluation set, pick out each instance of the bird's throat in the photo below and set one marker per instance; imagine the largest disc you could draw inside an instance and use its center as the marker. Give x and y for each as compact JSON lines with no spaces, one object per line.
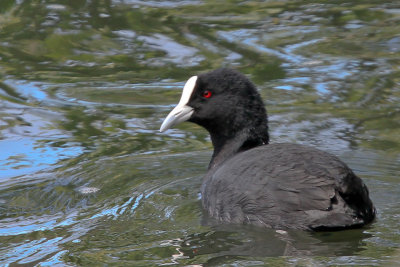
{"x":226,"y":147}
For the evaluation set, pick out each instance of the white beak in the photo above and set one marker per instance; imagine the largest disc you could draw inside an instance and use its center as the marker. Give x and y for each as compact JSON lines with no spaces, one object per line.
{"x":182,"y":112}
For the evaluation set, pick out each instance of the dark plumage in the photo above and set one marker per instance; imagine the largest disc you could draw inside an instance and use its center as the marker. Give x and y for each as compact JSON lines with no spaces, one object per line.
{"x":272,"y":185}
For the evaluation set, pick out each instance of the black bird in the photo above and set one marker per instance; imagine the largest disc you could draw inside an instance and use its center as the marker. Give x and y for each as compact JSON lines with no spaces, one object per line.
{"x":250,"y":181}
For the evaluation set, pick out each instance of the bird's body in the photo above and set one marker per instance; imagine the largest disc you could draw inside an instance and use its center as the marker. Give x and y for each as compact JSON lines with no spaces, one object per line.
{"x":288,"y":186}
{"x":271,"y":185}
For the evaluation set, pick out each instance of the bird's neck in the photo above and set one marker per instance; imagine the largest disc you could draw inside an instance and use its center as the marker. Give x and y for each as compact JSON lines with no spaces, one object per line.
{"x":227,"y":146}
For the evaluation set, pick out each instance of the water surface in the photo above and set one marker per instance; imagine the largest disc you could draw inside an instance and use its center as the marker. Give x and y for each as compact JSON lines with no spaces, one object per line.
{"x":86,"y":179}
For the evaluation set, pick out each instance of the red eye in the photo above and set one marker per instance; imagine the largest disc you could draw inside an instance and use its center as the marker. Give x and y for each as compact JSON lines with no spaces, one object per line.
{"x":207,"y":94}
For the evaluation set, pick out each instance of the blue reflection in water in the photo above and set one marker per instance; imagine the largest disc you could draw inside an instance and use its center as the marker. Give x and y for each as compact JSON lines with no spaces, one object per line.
{"x":23,"y":154}
{"x":118,"y":210}
{"x":27,"y":89}
{"x":321,"y":88}
{"x":31,"y":251}
{"x":28,"y":227}
{"x":285,"y":87}
{"x":26,"y":155}
{"x":18,"y":226}
{"x":56,"y":260}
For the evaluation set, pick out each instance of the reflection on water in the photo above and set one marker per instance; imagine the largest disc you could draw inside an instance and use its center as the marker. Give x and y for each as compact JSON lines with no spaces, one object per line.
{"x":87,"y":179}
{"x":23,"y":156}
{"x":271,"y":243}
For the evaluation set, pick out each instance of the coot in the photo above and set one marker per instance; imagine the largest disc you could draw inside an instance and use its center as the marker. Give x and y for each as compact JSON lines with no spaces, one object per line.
{"x":250,"y":181}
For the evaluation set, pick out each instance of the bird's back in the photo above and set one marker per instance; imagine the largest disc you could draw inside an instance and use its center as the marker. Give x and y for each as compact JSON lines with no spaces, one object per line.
{"x":287,"y":186}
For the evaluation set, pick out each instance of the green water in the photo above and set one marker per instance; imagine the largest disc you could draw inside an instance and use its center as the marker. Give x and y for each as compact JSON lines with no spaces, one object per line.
{"x":86,"y":179}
